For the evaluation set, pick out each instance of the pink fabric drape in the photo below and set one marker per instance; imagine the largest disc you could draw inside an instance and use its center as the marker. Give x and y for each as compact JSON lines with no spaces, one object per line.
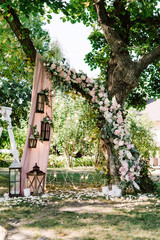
{"x":39,"y":154}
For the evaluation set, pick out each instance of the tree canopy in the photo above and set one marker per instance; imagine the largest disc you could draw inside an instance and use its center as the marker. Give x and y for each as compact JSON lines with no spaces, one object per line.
{"x":128,"y":29}
{"x":137,"y":23}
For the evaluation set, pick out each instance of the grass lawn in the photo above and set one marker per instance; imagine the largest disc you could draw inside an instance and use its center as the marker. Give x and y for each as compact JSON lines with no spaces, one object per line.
{"x":76,"y":213}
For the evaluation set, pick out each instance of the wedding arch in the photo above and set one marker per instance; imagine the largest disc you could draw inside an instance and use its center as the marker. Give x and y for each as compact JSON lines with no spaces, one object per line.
{"x":122,"y":157}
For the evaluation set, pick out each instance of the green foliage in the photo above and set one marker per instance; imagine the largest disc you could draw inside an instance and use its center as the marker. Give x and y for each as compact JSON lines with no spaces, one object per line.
{"x":16,"y":94}
{"x":3,"y":123}
{"x":20,"y":134}
{"x":74,"y":128}
{"x":141,"y":129}
{"x":4,"y":163}
{"x":145,"y":182}
{"x":56,"y":161}
{"x":137,"y":23}
{"x":15,"y":70}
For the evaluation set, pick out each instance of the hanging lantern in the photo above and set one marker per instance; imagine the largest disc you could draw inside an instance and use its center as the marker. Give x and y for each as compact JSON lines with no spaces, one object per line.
{"x":45,"y":131}
{"x":32,"y":141}
{"x":40,"y":102}
{"x":36,"y":180}
{"x":15,"y":179}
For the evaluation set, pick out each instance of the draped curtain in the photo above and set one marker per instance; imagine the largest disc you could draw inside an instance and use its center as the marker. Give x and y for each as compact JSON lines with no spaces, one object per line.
{"x":39,"y":155}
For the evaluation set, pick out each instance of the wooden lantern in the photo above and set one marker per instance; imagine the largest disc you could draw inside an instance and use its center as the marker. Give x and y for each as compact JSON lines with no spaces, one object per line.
{"x":36,"y":180}
{"x":45,"y":131}
{"x":32,"y":142}
{"x":15,"y":179}
{"x":40,"y":102}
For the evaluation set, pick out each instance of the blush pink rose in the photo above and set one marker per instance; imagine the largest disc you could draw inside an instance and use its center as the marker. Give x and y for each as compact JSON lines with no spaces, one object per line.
{"x":69,"y":72}
{"x":100,"y":94}
{"x":94,"y":99}
{"x":62,"y":74}
{"x":117,"y":132}
{"x":119,"y":120}
{"x":79,"y":80}
{"x":83,"y":77}
{"x":59,"y":69}
{"x":88,"y":80}
{"x":92,"y":93}
{"x":67,"y":78}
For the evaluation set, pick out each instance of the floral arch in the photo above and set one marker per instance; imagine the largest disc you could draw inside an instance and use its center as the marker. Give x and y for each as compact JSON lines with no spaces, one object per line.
{"x":113,"y":125}
{"x":124,"y":158}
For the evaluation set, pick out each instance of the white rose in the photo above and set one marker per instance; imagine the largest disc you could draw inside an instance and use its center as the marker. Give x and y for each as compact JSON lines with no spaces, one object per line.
{"x":53,"y":66}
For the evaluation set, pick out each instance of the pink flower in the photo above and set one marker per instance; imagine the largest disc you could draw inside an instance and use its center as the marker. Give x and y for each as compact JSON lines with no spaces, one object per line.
{"x":67,"y":78}
{"x":115,"y":141}
{"x":113,"y":108}
{"x":100,"y":103}
{"x":74,"y":76}
{"x":62,"y":74}
{"x":119,"y":114}
{"x":129,"y":146}
{"x":83,"y":85}
{"x":69,"y":72}
{"x":83,"y":77}
{"x":102,"y":89}
{"x":117,"y":132}
{"x":100,"y":94}
{"x":132,"y":169}
{"x":139,"y":168}
{"x":105,"y":109}
{"x":122,"y":171}
{"x":131,"y":176}
{"x":94,"y":98}
{"x":125,"y":164}
{"x":92,"y":93}
{"x":59,"y":69}
{"x":88,"y":80}
{"x":119,"y":120}
{"x":53,"y":66}
{"x":116,"y":147}
{"x":79,"y":80}
{"x":121,"y":143}
{"x":107,"y":102}
{"x":102,"y":108}
{"x":122,"y":177}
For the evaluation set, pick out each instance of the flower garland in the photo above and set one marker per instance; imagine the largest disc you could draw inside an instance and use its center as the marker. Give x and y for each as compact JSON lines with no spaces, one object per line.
{"x":125,"y":154}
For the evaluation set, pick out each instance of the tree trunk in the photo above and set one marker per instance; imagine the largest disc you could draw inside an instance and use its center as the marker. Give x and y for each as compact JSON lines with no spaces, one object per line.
{"x":120,"y":80}
{"x":106,"y":148}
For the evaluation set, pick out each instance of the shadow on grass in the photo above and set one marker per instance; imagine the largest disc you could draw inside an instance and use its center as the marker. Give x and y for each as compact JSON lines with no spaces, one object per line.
{"x":68,"y":219}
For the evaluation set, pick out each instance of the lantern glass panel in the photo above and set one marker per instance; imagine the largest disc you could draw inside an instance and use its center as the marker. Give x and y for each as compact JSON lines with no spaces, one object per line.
{"x":14,"y":182}
{"x":45,"y":131}
{"x":40,"y":102}
{"x":32,"y":143}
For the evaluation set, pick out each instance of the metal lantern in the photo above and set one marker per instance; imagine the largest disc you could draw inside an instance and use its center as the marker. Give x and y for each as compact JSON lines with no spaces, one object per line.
{"x":36,"y":180}
{"x":45,"y":131}
{"x":32,"y":141}
{"x":40,"y":102}
{"x":15,"y":179}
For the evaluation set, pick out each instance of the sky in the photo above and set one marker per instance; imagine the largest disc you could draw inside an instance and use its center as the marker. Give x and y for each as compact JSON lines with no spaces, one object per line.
{"x":73,"y":41}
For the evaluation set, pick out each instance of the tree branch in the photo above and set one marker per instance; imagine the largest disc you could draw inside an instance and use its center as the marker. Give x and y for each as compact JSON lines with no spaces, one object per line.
{"x":117,"y":45}
{"x":124,"y":17}
{"x":148,"y":59}
{"x":21,"y":33}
